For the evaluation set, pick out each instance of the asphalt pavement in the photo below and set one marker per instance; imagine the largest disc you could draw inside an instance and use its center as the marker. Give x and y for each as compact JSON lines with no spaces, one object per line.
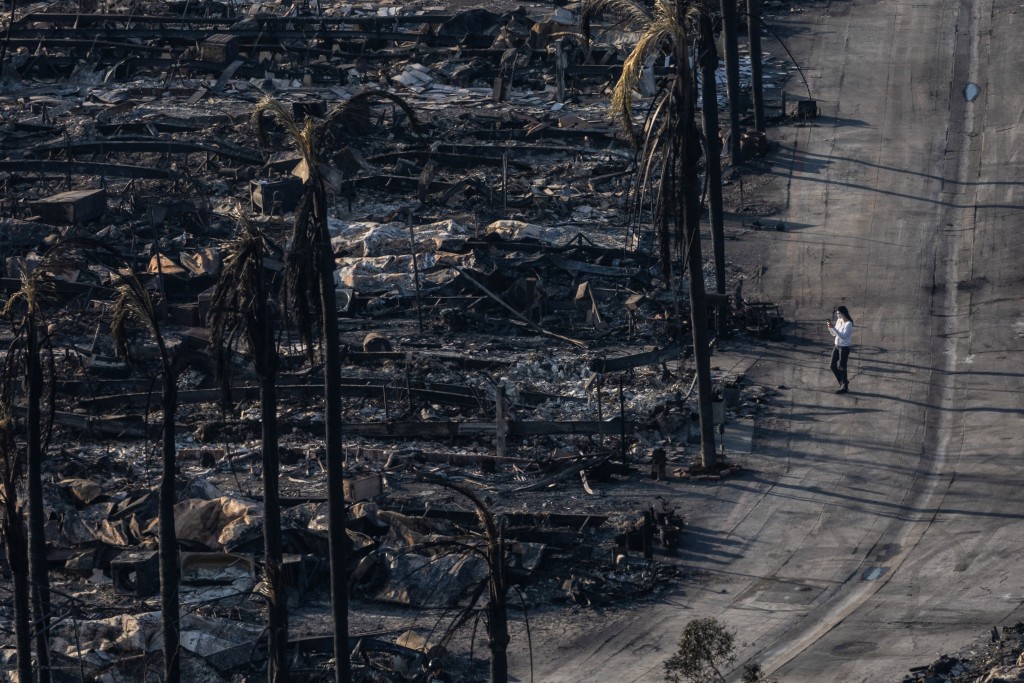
{"x":876,"y":530}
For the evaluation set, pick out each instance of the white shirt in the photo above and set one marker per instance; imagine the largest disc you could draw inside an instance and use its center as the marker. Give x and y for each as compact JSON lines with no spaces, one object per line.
{"x":842,"y":330}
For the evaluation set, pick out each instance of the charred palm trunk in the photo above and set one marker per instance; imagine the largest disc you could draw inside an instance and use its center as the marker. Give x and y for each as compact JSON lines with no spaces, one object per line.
{"x":277,"y":603}
{"x":497,"y":586}
{"x":16,"y":546}
{"x":497,"y":612}
{"x":337,"y":514}
{"x":169,"y":571}
{"x":713,"y":157}
{"x":7,"y":38}
{"x":39,"y":577}
{"x":756,"y":86}
{"x":17,"y":558}
{"x":686,"y":146}
{"x":732,"y":75}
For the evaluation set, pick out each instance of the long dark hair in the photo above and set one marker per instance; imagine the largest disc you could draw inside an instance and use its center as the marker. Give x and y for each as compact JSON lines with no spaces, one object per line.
{"x":841,"y":310}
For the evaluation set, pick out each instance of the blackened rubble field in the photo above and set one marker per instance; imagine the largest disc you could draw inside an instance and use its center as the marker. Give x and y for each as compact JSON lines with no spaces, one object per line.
{"x":529,"y":275}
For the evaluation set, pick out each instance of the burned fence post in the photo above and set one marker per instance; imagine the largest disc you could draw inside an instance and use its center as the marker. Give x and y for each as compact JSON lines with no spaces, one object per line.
{"x":415,"y":273}
{"x":531,"y":298}
{"x":500,"y":430}
{"x":648,"y":534}
{"x":561,"y":61}
{"x":504,"y":184}
{"x":622,"y":421}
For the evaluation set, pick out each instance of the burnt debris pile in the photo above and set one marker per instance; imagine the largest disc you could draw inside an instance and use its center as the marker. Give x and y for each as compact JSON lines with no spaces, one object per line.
{"x":510,"y":352}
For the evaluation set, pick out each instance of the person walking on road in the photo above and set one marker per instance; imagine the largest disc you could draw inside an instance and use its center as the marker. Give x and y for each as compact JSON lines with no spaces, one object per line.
{"x":842,"y":330}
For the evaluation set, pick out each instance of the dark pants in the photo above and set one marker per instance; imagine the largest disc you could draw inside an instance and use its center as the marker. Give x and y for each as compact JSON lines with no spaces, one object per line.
{"x":840,"y":354}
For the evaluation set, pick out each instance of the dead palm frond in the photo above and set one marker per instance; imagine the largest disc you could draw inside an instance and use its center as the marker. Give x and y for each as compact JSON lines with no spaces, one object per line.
{"x":239,"y":304}
{"x":133,"y":303}
{"x":311,"y":138}
{"x":355,"y":112}
{"x":310,"y":135}
{"x":662,"y":29}
{"x":302,"y":283}
{"x":633,"y":12}
{"x":662,"y":149}
{"x":37,"y":287}
{"x":240,"y":313}
{"x":26,"y":310}
{"x":31,"y":357}
{"x":310,"y":294}
{"x":668,"y":154}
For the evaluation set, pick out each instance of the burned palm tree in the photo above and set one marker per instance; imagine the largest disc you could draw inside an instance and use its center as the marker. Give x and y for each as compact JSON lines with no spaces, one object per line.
{"x":754,"y":38}
{"x":707,"y":57}
{"x":12,"y":532}
{"x":309,"y":281}
{"x":133,"y":303}
{"x":496,"y":584}
{"x":26,"y":357}
{"x":669,"y":150}
{"x":732,"y":75}
{"x":241,"y":313}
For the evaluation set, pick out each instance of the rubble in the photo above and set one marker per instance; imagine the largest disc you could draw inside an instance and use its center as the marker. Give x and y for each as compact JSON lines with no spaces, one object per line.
{"x":504,"y":322}
{"x":1001,"y":659}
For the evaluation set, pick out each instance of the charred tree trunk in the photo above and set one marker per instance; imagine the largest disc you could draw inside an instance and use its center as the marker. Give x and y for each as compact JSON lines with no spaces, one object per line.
{"x":756,"y":86}
{"x":497,"y":610}
{"x":732,"y":75}
{"x":240,"y":313}
{"x":713,"y":156}
{"x":7,"y":38}
{"x":337,"y":514}
{"x":12,"y":530}
{"x":497,"y":588}
{"x":277,"y":603}
{"x":686,"y":149}
{"x":39,"y":578}
{"x":169,"y":570}
{"x":17,"y":557}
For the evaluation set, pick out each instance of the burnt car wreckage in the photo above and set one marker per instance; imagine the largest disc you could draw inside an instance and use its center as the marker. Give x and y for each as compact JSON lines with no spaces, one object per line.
{"x":508,"y":345}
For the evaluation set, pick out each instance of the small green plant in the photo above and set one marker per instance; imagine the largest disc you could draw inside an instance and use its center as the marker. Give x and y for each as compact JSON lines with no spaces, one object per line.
{"x":704,"y":649}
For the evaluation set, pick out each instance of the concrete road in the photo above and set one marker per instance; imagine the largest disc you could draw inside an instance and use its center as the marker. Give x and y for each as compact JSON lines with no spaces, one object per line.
{"x":878,"y":529}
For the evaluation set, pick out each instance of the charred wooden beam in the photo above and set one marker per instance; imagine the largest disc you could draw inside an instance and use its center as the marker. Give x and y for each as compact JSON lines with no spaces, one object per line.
{"x":447,"y":394}
{"x":636,"y":360}
{"x":458,"y":360}
{"x":155,"y":38}
{"x":453,"y":430}
{"x":449,"y":159}
{"x":143,"y":147}
{"x":87,"y":168}
{"x":117,"y":426}
{"x":468,"y":518}
{"x":72,"y":19}
{"x":588,"y":268}
{"x":449,"y":430}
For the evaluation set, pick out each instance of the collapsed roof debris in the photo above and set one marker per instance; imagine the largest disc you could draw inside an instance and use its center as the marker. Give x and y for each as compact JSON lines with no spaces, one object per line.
{"x":503,"y":319}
